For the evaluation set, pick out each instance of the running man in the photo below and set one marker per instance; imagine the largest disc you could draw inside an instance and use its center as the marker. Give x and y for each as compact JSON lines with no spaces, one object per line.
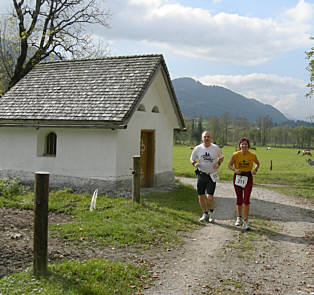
{"x":206,"y":158}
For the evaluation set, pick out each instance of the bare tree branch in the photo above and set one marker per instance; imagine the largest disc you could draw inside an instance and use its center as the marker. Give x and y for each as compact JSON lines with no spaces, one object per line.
{"x":51,"y":27}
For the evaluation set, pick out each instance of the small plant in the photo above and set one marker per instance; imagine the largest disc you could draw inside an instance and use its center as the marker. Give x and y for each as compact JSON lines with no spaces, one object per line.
{"x":10,"y":188}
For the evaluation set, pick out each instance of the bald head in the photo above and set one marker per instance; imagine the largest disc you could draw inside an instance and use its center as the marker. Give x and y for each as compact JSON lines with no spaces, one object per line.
{"x":206,"y":138}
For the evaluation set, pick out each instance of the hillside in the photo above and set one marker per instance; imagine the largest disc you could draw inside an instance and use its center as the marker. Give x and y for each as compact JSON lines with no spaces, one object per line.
{"x":197,"y":99}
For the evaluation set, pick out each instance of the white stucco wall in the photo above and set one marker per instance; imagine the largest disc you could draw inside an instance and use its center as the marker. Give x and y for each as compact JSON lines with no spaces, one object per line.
{"x":100,"y":154}
{"x":80,"y":152}
{"x":162,"y":123}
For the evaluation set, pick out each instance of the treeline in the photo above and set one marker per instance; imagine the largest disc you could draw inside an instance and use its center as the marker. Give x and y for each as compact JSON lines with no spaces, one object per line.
{"x":226,"y":130}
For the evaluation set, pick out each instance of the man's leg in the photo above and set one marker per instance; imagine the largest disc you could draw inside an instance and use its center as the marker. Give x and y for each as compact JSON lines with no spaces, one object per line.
{"x":202,"y":201}
{"x":211,"y":203}
{"x":201,"y":186}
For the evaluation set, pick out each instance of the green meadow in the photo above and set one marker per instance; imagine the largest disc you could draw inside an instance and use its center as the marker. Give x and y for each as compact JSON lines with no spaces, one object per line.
{"x":290,"y":172}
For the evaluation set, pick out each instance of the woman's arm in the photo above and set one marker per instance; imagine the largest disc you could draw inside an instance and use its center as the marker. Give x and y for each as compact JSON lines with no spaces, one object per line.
{"x":256,"y":161}
{"x":230,"y":166}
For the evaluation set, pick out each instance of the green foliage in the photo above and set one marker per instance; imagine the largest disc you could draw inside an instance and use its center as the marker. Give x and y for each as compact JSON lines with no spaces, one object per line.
{"x":10,"y":187}
{"x":96,"y":276}
{"x":225,"y":130}
{"x":310,"y":68}
{"x":11,"y":190}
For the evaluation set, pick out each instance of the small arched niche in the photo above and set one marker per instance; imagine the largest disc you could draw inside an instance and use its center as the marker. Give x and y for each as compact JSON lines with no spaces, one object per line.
{"x":155,"y":109}
{"x":141,"y":108}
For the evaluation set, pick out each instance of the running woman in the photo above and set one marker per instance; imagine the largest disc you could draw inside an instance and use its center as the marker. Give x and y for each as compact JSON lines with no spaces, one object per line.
{"x":241,"y":164}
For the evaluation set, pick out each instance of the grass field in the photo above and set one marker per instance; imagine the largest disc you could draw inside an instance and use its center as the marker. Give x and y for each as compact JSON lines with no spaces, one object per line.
{"x":288,"y":169}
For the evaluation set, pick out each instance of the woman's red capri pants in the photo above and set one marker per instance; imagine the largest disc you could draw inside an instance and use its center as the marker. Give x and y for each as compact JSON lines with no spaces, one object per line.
{"x":243,"y":194}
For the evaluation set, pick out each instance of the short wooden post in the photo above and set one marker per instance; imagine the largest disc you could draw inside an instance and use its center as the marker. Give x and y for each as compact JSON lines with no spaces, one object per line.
{"x":136,"y":185}
{"x":271,"y":165}
{"x":40,"y":250}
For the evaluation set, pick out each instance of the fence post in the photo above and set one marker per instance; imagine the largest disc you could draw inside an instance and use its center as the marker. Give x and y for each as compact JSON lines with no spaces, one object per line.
{"x":136,"y":183}
{"x":40,"y":251}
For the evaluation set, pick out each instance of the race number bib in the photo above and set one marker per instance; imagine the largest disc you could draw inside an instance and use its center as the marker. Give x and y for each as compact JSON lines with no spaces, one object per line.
{"x":214,"y":176}
{"x":241,"y":180}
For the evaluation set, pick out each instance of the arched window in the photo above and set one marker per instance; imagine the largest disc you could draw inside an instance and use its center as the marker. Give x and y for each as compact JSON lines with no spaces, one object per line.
{"x":141,"y":108}
{"x":155,"y":109}
{"x":51,"y":144}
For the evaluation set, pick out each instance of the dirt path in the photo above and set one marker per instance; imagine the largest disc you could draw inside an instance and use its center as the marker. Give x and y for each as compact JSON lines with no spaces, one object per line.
{"x":282,"y":263}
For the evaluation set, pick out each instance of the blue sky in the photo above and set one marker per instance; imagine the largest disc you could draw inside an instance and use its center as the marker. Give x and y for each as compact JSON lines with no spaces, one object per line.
{"x":253,"y":47}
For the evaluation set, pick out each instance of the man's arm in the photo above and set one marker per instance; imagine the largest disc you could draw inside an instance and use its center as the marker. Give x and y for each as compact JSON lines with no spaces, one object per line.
{"x":193,"y":159}
{"x":218,"y":163}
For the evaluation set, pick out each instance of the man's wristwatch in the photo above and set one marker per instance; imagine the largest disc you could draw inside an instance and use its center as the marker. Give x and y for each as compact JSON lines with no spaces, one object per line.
{"x":193,"y":163}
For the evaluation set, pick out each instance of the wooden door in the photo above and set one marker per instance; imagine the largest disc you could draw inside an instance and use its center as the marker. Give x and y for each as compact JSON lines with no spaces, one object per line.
{"x":147,"y":157}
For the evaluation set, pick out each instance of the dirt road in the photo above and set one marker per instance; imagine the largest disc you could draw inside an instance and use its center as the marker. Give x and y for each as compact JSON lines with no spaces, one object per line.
{"x":210,"y":262}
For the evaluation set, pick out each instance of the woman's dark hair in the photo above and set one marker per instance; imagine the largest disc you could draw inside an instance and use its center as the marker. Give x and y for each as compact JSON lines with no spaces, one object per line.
{"x":243,"y":139}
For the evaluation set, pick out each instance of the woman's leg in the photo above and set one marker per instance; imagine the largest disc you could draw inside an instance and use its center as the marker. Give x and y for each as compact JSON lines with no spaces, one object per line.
{"x":239,"y":193}
{"x":246,"y":211}
{"x":246,"y":198}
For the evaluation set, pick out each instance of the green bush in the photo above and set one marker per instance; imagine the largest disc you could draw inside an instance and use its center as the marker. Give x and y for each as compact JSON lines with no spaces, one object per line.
{"x":9,"y":188}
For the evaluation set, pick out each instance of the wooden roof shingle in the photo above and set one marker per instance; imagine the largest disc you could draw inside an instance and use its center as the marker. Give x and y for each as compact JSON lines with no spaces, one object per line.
{"x":98,"y":91}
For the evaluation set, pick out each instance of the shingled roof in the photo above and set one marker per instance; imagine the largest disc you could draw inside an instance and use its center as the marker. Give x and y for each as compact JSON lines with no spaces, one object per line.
{"x":101,"y":92}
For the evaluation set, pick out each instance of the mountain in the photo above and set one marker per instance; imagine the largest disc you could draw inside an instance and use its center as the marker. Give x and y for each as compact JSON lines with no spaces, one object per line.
{"x":197,"y":99}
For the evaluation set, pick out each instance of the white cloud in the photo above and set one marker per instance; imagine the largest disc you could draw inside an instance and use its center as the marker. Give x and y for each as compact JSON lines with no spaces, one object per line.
{"x":303,"y":12}
{"x":196,"y":32}
{"x":284,"y":93}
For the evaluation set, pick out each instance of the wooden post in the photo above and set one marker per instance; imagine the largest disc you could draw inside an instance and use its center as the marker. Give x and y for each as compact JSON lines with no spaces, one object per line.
{"x":271,"y":165}
{"x":40,"y":250}
{"x":136,"y":185}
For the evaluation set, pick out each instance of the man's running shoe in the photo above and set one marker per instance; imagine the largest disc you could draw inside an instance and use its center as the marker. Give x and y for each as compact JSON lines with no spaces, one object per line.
{"x":211,"y":218}
{"x":204,"y":218}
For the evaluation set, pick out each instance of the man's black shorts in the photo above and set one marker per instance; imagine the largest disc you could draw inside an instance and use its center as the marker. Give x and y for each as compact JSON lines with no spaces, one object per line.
{"x":205,"y":184}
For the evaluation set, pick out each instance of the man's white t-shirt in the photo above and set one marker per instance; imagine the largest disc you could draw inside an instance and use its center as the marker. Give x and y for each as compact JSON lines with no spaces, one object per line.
{"x":207,"y":157}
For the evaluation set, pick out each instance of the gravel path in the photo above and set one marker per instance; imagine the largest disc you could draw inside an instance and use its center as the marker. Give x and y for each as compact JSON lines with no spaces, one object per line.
{"x":282,"y":263}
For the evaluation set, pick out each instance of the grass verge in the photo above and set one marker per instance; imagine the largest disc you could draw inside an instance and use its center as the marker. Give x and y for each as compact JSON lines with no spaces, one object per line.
{"x":89,"y":277}
{"x":154,"y":224}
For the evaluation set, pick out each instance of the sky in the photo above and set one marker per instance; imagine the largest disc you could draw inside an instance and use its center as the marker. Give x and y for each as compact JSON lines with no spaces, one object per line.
{"x":253,"y":47}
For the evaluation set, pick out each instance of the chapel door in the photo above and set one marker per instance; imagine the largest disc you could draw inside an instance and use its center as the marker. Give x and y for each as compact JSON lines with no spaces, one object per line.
{"x":147,"y":157}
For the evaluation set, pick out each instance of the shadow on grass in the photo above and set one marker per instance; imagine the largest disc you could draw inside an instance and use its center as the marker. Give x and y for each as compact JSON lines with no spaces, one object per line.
{"x":66,"y":284}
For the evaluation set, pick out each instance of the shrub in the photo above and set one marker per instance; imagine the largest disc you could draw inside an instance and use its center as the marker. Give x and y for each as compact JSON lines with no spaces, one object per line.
{"x":11,"y":187}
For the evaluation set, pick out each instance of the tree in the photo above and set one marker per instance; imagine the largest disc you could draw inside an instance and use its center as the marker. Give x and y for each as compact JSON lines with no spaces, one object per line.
{"x":310,"y":68}
{"x":46,"y":28}
{"x":264,"y":124}
{"x":200,"y":128}
{"x":215,"y":129}
{"x":225,"y":121}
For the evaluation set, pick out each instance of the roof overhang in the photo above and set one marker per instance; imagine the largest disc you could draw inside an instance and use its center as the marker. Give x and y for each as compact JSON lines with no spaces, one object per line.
{"x":63,"y":124}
